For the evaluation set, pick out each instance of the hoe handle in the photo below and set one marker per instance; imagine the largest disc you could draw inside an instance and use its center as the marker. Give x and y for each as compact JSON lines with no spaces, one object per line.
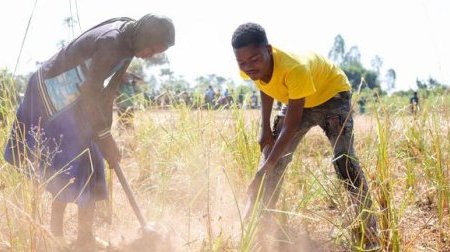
{"x":126,"y":187}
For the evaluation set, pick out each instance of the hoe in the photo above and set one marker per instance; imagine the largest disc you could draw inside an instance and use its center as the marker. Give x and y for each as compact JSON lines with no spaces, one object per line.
{"x":150,"y":239}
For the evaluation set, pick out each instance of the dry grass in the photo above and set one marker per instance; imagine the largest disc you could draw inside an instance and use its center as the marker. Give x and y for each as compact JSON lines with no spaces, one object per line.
{"x":189,"y":168}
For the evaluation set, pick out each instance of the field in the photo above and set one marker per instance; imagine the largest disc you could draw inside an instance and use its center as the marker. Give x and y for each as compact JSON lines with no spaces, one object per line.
{"x":190,"y":170}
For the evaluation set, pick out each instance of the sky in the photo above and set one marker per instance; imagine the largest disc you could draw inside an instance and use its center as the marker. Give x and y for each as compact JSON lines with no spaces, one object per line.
{"x":411,"y":36}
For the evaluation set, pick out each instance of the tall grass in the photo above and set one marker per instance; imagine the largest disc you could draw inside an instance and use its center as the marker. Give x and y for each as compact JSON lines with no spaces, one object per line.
{"x":21,"y":200}
{"x":25,"y":205}
{"x":190,"y":170}
{"x":437,"y":163}
{"x":385,"y":178}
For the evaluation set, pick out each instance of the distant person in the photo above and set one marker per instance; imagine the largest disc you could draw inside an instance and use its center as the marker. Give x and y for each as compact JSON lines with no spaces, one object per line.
{"x":217,"y":95}
{"x":316,"y":92}
{"x":209,"y":97}
{"x":229,"y":100}
{"x":241,"y":98}
{"x":376,"y":97}
{"x":362,"y":105}
{"x":254,"y":101}
{"x":414,"y":103}
{"x":226,"y":93}
{"x":66,"y":115}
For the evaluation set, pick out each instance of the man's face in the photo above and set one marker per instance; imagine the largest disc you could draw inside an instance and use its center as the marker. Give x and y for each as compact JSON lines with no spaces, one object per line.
{"x":150,"y":51}
{"x":255,"y":61}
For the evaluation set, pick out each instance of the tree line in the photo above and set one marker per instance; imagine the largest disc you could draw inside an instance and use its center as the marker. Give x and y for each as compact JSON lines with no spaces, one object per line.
{"x":168,"y":82}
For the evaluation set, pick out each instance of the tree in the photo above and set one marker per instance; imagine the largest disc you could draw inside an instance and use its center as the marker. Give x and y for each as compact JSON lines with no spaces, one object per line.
{"x":151,"y":84}
{"x":371,"y":78}
{"x":377,"y":63}
{"x":175,"y":84}
{"x":69,"y":23}
{"x":430,"y":83}
{"x":22,"y":82}
{"x":352,"y":57}
{"x":157,"y":60}
{"x":421,"y":84}
{"x":350,"y":62}
{"x":433,"y":83}
{"x":337,"y":52}
{"x":356,"y":72}
{"x":213,"y":80}
{"x":391,"y":76}
{"x":137,"y":67}
{"x":166,"y":73}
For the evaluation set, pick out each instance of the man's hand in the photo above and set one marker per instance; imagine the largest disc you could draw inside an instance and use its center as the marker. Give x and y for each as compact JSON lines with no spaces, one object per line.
{"x":265,"y":169}
{"x":266,"y":139}
{"x":253,"y":188}
{"x":110,"y":150}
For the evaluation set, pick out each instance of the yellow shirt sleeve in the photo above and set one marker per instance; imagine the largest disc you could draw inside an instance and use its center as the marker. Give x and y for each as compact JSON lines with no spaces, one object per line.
{"x":299,"y":83}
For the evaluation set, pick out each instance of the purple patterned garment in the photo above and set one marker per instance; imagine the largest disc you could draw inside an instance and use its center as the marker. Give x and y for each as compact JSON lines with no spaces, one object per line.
{"x":66,"y":108}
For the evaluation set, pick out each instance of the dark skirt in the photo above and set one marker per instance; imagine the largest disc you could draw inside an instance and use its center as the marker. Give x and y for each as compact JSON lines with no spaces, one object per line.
{"x":57,"y":150}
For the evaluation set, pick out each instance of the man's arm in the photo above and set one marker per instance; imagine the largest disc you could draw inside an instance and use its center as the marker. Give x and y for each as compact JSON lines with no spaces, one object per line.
{"x":92,"y":97}
{"x":291,"y":124}
{"x":103,"y":60}
{"x":266,"y":137}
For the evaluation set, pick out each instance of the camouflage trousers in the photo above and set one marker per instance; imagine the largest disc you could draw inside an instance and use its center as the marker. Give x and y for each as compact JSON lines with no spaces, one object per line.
{"x":335,"y":119}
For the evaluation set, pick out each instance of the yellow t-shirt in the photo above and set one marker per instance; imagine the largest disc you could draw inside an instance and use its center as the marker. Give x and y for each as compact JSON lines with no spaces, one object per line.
{"x":306,"y":75}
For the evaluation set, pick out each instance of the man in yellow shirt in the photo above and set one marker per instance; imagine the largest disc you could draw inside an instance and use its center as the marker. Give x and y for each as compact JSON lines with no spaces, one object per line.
{"x":315,"y":92}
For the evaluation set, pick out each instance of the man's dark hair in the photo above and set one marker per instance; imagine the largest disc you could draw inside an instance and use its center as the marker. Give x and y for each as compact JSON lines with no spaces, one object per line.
{"x":249,"y":34}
